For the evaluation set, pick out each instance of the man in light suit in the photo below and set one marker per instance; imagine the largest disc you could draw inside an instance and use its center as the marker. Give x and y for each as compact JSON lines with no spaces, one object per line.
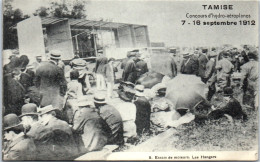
{"x":109,"y":71}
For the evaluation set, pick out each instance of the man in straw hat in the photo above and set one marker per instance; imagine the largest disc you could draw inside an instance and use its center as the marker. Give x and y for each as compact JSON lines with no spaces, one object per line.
{"x":50,"y":81}
{"x":17,"y":146}
{"x":112,"y":118}
{"x":53,"y":137}
{"x":143,"y":111}
{"x":90,"y":129}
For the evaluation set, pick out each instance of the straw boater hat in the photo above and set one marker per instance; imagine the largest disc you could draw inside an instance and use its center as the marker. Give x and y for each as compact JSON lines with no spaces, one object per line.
{"x":84,"y":101}
{"x":11,"y":121}
{"x":99,"y":98}
{"x":29,"y":109}
{"x":46,"y":109}
{"x":55,"y":55}
{"x":139,"y":89}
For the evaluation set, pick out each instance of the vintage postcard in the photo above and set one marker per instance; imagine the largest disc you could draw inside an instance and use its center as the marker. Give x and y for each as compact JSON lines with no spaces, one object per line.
{"x":151,"y":80}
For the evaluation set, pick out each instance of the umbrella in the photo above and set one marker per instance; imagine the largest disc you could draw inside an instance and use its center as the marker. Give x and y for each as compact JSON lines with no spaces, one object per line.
{"x":148,"y":80}
{"x":186,"y":91}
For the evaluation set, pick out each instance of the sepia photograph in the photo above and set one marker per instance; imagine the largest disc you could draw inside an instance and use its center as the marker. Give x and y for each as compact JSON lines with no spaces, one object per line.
{"x":130,"y":80}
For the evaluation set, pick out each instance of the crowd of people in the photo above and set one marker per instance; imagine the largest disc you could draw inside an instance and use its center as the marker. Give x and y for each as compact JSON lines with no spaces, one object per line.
{"x":51,"y":113}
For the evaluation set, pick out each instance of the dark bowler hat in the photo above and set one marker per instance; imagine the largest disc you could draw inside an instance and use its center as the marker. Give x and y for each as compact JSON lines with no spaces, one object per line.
{"x":11,"y":121}
{"x":99,"y":98}
{"x":29,"y":109}
{"x":228,"y":91}
{"x":252,"y":55}
{"x":46,"y":109}
{"x":55,"y":54}
{"x":225,"y":54}
{"x":161,"y":91}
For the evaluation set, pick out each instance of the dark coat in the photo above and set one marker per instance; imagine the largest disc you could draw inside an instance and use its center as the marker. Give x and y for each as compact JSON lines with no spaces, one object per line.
{"x":51,"y":82}
{"x":141,"y":67}
{"x":114,"y":121}
{"x":143,"y":112}
{"x":189,"y":66}
{"x":92,"y":130}
{"x":54,"y":140}
{"x":26,"y":80}
{"x":100,"y":65}
{"x":129,"y":73}
{"x":14,"y":94}
{"x":124,"y":61}
{"x":203,"y":59}
{"x":232,"y":108}
{"x":22,"y":148}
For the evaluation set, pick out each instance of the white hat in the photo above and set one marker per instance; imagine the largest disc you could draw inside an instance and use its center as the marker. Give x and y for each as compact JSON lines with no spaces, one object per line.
{"x":84,"y":101}
{"x":55,"y":54}
{"x":139,"y":89}
{"x":99,"y":98}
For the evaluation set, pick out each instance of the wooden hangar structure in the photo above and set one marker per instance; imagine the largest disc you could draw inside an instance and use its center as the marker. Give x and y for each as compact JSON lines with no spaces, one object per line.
{"x":86,"y":37}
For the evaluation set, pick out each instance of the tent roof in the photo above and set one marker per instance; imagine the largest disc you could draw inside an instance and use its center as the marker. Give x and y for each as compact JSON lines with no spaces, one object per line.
{"x":87,"y":24}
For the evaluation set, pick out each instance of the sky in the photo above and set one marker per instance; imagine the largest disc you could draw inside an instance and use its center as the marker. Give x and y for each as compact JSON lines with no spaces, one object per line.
{"x":164,"y":19}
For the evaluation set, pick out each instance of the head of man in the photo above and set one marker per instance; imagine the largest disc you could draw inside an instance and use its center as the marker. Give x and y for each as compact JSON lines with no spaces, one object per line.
{"x":186,"y":55}
{"x":12,"y":127}
{"x":227,"y":93}
{"x":111,"y":61}
{"x":46,"y":113}
{"x":39,"y":59}
{"x":29,"y":114}
{"x":24,"y":61}
{"x":252,"y":55}
{"x":99,"y":100}
{"x":16,"y":73}
{"x":55,"y":56}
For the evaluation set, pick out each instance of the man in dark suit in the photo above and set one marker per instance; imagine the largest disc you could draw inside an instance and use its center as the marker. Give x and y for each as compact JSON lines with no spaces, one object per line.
{"x":16,"y":146}
{"x":141,"y":67}
{"x":203,"y":59}
{"x":14,"y":93}
{"x":189,"y":65}
{"x":129,"y":73}
{"x":53,"y":137}
{"x":51,"y":81}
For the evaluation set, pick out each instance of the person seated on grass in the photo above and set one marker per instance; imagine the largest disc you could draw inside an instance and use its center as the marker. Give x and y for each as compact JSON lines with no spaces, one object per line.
{"x":74,"y":87}
{"x":232,"y":107}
